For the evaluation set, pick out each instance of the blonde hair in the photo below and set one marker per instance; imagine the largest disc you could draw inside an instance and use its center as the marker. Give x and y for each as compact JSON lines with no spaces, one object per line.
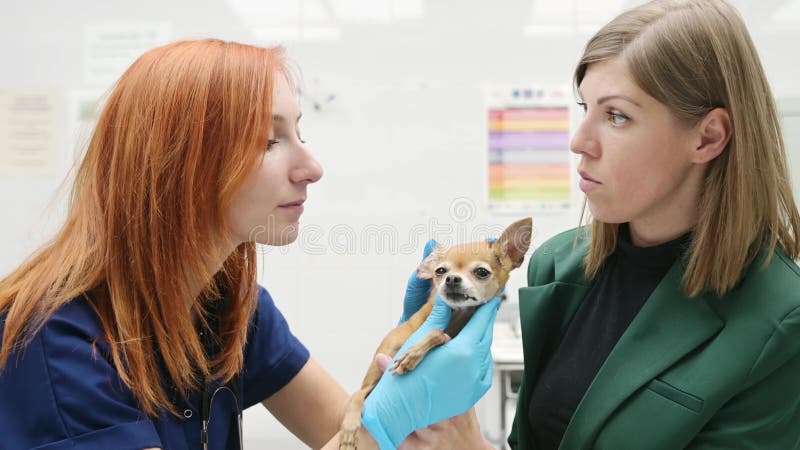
{"x":694,"y":56}
{"x":176,"y":138}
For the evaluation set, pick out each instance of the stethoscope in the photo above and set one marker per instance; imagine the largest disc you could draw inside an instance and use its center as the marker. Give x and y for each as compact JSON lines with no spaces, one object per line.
{"x":206,"y":403}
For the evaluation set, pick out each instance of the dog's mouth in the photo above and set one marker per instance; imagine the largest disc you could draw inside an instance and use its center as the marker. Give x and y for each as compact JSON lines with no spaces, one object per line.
{"x":457,"y":297}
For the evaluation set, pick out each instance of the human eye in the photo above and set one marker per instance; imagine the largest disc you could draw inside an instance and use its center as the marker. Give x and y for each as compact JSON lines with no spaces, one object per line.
{"x":582,"y":106}
{"x":271,"y":143}
{"x":617,"y":118}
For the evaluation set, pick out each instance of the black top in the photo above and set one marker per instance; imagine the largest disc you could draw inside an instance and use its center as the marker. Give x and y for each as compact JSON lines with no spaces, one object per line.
{"x":626,"y":280}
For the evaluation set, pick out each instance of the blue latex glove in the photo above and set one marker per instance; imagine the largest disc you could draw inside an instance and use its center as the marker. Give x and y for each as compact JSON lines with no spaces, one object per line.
{"x":417,"y":290}
{"x":448,"y":381}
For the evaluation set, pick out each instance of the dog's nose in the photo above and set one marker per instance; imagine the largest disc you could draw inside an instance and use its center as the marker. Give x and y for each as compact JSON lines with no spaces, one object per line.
{"x":452,"y":280}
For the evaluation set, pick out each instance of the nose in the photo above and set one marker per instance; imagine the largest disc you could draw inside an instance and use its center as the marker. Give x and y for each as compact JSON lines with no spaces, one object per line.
{"x":584,"y":142}
{"x":307,"y":169}
{"x":452,"y":280}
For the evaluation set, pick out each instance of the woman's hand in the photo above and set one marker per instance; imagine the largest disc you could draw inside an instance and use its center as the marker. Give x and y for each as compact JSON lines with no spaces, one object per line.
{"x":458,"y":433}
{"x":417,"y":289}
{"x":447,"y":383}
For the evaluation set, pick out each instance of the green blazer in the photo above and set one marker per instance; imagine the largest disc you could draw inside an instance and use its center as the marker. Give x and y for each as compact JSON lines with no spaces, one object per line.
{"x":703,"y":373}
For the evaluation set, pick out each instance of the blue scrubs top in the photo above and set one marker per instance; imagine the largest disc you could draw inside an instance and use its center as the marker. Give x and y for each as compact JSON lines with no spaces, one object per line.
{"x":59,"y":394}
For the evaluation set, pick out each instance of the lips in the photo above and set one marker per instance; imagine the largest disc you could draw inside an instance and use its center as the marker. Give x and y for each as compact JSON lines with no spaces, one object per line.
{"x":295,"y":208}
{"x":586,"y":177}
{"x":587,"y":183}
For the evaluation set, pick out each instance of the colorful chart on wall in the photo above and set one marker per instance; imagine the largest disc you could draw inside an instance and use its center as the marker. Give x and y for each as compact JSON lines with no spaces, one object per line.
{"x":528,"y":164}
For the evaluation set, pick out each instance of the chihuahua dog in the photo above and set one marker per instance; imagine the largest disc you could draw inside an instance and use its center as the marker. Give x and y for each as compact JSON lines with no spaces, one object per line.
{"x":464,"y":277}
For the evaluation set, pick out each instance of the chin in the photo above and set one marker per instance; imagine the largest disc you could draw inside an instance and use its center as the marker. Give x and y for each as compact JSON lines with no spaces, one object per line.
{"x":606,"y":215}
{"x":276,"y":238}
{"x":281,"y":239}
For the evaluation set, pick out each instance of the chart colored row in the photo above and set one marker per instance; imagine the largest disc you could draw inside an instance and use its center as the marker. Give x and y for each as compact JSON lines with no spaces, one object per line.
{"x":542,"y":139}
{"x":529,"y":114}
{"x":529,"y":171}
{"x":528,"y":194}
{"x":528,"y":125}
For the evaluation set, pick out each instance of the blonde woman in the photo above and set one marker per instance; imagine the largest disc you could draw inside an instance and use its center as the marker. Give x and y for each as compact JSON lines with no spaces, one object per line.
{"x":141,"y":324}
{"x":673,"y":319}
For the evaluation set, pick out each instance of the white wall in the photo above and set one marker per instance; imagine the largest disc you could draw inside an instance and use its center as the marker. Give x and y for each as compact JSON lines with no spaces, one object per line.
{"x":401,"y":144}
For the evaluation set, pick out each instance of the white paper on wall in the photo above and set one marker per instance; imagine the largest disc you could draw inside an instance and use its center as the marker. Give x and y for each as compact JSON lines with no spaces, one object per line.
{"x":111,"y":48}
{"x":28,"y":120}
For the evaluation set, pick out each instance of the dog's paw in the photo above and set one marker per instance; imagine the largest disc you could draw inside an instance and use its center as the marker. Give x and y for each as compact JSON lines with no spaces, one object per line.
{"x":406,"y":362}
{"x":348,"y":440}
{"x":348,"y":434}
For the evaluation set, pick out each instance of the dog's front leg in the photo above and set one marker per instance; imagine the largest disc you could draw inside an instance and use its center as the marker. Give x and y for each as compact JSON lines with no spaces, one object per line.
{"x":352,"y":414}
{"x":348,"y":433}
{"x":410,"y":359}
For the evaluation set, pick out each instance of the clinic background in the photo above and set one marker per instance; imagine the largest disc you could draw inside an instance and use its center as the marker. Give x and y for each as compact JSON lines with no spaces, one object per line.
{"x":393,"y":104}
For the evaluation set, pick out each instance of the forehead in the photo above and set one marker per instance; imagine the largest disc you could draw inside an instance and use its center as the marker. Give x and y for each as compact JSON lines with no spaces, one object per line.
{"x":284,"y":100}
{"x":463,"y":255}
{"x":609,"y":77}
{"x":612,"y":78}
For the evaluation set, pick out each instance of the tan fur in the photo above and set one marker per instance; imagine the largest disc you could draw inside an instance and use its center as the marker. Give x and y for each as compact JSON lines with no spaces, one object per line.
{"x":461,"y":261}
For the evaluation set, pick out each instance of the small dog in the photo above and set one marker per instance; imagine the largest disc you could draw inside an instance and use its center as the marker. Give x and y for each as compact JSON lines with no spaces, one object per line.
{"x":465,"y":277}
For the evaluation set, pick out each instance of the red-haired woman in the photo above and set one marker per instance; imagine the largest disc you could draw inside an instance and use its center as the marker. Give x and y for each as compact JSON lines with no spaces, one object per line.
{"x":142,"y":320}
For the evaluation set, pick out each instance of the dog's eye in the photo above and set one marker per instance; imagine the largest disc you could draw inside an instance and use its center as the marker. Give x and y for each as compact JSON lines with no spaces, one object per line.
{"x":481,"y":273}
{"x":441,"y":271}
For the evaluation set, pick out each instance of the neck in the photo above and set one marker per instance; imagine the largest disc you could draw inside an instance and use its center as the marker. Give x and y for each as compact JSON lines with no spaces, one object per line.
{"x":458,"y":319}
{"x":214,"y":264}
{"x":649,"y":235}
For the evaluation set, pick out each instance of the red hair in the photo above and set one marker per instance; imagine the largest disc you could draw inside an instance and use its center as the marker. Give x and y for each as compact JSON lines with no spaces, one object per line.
{"x":147,"y":219}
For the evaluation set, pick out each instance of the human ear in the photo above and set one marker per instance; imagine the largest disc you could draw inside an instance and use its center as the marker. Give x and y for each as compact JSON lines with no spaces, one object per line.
{"x":714,"y":134}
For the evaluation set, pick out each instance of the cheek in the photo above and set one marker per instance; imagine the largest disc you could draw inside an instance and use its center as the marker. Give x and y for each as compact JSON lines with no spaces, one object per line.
{"x":487,"y":289}
{"x":261,"y":192}
{"x":639,"y":176}
{"x":438,"y":287}
{"x":252,"y":206}
{"x":644,"y":161}
{"x":625,"y":172}
{"x":632,"y":175}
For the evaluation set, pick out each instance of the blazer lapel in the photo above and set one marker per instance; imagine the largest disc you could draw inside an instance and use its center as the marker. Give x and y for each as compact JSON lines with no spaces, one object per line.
{"x":546,"y":310}
{"x":545,"y":320}
{"x":668,"y":326}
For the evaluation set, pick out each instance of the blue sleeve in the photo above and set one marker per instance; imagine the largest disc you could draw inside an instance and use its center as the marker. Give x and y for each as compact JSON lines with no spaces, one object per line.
{"x":273,"y":355}
{"x":61,"y":392}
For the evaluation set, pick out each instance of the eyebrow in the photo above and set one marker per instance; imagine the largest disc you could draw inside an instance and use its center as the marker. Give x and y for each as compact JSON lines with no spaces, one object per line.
{"x":606,"y":98}
{"x":281,"y":119}
{"x":602,"y":100}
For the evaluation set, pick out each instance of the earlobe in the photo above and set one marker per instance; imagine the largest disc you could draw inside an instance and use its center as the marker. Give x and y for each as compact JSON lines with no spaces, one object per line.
{"x":715,"y":133}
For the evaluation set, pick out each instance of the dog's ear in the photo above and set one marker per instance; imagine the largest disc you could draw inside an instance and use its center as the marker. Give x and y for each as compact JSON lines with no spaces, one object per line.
{"x":514,"y":242}
{"x":428,"y":265}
